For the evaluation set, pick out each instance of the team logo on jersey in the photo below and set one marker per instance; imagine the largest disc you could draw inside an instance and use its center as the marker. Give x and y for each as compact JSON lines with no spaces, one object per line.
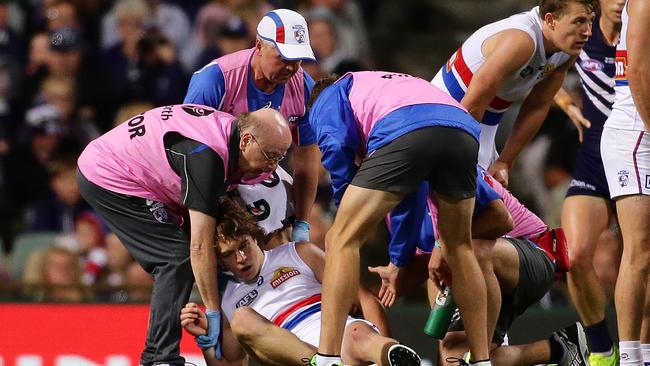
{"x":299,"y":33}
{"x":282,"y":274}
{"x":260,"y":209}
{"x":158,"y":211}
{"x":623,"y":178}
{"x":591,"y":65}
{"x":526,"y":72}
{"x":197,"y":111}
{"x":247,"y":300}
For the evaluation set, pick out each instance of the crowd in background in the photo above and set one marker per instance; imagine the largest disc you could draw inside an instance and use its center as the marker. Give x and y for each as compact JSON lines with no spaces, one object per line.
{"x":72,"y":69}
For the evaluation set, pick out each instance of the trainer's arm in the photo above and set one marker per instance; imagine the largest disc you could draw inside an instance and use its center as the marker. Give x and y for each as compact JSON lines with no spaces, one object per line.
{"x":504,"y":53}
{"x":638,"y":56}
{"x":203,"y":257}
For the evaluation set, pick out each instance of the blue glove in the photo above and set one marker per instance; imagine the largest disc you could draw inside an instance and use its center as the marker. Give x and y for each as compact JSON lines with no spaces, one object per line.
{"x":214,"y":328}
{"x":300,"y":231}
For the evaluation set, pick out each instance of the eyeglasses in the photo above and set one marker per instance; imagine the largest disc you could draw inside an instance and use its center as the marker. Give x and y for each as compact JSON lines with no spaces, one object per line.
{"x":273,"y":160}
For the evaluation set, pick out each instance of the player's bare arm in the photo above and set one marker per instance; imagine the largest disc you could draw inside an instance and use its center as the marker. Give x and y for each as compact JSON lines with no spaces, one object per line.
{"x":638,"y":59}
{"x":565,"y":101}
{"x":306,"y":162}
{"x":531,"y":116}
{"x":505,"y":53}
{"x":204,"y":258}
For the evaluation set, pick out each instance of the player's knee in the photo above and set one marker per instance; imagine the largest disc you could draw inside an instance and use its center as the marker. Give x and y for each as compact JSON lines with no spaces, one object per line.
{"x":357,"y":332}
{"x":244,"y":323}
{"x":581,"y":259}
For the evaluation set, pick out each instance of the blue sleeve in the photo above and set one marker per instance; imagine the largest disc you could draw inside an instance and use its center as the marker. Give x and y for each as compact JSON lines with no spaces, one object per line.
{"x":207,"y":87}
{"x":305,"y":134}
{"x":333,"y":122}
{"x":484,"y":193}
{"x":410,"y":227}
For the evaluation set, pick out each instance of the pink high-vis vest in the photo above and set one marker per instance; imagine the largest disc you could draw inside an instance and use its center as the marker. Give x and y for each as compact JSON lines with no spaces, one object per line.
{"x":236,"y":67}
{"x":131,"y":158}
{"x":374,"y":94}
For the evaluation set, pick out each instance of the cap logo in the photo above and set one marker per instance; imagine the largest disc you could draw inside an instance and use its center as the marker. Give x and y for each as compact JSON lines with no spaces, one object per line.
{"x":299,"y":33}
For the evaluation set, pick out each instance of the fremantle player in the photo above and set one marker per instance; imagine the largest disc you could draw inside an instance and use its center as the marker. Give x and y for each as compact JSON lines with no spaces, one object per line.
{"x":523,"y":57}
{"x":269,"y":76}
{"x":587,"y":210}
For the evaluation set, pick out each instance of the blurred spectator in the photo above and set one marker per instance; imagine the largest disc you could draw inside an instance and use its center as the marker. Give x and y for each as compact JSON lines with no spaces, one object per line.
{"x":228,"y":38}
{"x":59,"y":208}
{"x":111,"y":281}
{"x":12,"y":45}
{"x":89,"y":233}
{"x":314,"y":69}
{"x":53,"y":275}
{"x":209,"y":20}
{"x":324,"y":40}
{"x":138,"y":283}
{"x":349,"y":25}
{"x":61,"y":93}
{"x":169,"y":18}
{"x":61,"y":14}
{"x":129,"y":110}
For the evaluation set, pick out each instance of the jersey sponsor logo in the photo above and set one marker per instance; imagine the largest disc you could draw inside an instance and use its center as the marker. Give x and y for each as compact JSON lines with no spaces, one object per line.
{"x":621,"y":65}
{"x":591,"y":65}
{"x":526,"y":72}
{"x":623,"y":178}
{"x":260,"y":209}
{"x":283,"y":274}
{"x":299,"y":33}
{"x":197,"y":111}
{"x":247,"y":299}
{"x":582,"y":185}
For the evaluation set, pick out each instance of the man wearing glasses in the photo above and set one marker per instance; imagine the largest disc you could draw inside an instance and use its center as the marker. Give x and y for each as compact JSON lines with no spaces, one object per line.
{"x":149,"y":173}
{"x":269,"y":75}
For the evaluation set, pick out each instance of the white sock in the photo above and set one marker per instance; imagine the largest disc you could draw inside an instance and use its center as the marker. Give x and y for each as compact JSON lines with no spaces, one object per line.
{"x":630,"y":353}
{"x":645,"y":351}
{"x":322,"y":360}
{"x":481,"y":363}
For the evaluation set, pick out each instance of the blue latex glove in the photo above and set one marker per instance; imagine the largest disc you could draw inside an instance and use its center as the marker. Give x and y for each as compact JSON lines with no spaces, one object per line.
{"x":300,"y":231}
{"x":214,"y":329}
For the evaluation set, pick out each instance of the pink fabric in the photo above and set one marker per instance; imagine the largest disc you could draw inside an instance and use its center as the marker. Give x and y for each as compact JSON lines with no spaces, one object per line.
{"x":131,"y":158}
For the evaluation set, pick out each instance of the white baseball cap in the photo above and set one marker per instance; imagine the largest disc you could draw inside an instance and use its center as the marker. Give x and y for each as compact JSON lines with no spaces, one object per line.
{"x":288,"y":31}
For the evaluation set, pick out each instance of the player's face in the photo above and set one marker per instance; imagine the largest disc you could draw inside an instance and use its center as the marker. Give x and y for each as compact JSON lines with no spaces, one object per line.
{"x":241,"y":256}
{"x":276,"y":69}
{"x":612,"y":10}
{"x":572,"y":29}
{"x":260,"y":157}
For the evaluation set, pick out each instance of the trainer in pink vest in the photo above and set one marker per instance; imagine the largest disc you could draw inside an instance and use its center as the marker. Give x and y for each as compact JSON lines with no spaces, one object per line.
{"x":131,"y":158}
{"x":236,"y":68}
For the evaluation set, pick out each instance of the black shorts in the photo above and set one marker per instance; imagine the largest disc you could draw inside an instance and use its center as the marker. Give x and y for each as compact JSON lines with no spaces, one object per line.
{"x":589,"y":174}
{"x":536,"y":275}
{"x":444,"y":156}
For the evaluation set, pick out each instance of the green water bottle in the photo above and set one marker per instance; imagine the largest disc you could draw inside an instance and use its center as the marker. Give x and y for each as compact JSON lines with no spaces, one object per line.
{"x":441,"y":314}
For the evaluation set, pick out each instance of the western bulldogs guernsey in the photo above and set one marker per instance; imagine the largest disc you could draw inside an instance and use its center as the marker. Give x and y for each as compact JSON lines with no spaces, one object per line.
{"x":286,"y":291}
{"x":624,"y":114}
{"x":455,"y":76}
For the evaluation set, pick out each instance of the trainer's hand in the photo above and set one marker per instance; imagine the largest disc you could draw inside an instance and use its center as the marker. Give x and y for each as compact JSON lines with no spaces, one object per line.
{"x":193,"y":320}
{"x":211,"y":339}
{"x":575,"y":114}
{"x":300,"y":231}
{"x":439,"y":272}
{"x":499,"y":170}
{"x":390,"y":283}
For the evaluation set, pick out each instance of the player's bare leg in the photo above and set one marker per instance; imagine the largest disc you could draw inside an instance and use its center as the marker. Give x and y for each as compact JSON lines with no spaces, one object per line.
{"x":361,"y":343}
{"x":360,"y":211}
